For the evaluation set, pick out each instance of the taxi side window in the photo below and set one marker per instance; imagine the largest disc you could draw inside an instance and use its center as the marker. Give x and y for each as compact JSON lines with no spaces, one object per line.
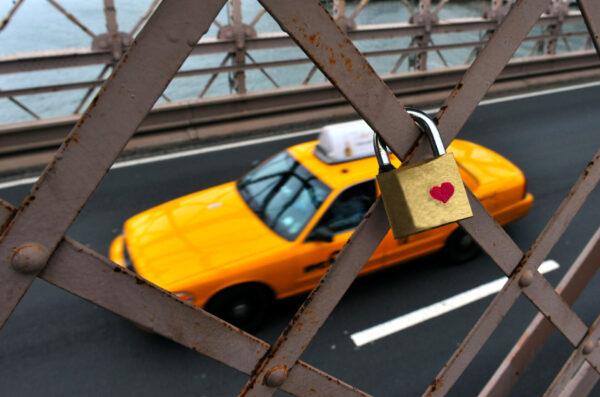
{"x":349,"y":207}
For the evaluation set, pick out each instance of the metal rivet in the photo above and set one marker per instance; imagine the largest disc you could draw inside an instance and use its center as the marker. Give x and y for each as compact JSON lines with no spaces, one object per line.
{"x":29,"y":258}
{"x":526,"y":278}
{"x":276,"y":376}
{"x":589,"y":347}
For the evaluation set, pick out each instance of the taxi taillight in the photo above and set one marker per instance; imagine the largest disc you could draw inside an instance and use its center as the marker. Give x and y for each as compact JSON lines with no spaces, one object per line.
{"x":186,"y":296}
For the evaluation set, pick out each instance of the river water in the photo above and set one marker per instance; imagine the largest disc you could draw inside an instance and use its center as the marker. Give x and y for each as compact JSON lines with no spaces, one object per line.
{"x":37,"y":26}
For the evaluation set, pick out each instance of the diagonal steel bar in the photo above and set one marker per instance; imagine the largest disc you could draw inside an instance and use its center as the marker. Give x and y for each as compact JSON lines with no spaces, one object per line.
{"x":84,"y":273}
{"x":582,"y":383}
{"x":590,"y":10}
{"x":491,"y":237}
{"x":10,"y":14}
{"x":507,"y":296}
{"x":322,"y":47}
{"x":145,"y":15}
{"x":587,"y":350}
{"x":319,"y":304}
{"x":325,"y":43}
{"x":71,"y":18}
{"x":313,"y":29}
{"x":463,"y":100}
{"x":540,"y":329}
{"x":96,"y":141}
{"x":25,"y":108}
{"x":475,"y":339}
{"x":541,"y":293}
{"x":467,"y":94}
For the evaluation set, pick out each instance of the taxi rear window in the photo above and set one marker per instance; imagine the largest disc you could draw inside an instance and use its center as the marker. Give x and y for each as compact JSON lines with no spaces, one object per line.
{"x":283,"y":194}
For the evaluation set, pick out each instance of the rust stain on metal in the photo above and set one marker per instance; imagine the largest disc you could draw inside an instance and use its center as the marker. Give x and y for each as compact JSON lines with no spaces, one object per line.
{"x":436,"y":385}
{"x":348,"y":65}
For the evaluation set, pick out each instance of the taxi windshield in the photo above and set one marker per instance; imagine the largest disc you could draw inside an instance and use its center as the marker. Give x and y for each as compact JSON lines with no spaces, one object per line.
{"x":283,"y":194}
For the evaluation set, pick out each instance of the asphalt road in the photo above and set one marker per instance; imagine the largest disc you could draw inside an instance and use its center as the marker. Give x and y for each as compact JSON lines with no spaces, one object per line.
{"x":56,"y":344}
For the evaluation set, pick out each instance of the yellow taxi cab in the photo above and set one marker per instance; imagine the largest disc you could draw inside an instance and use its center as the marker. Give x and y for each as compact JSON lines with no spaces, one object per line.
{"x":232,"y":249}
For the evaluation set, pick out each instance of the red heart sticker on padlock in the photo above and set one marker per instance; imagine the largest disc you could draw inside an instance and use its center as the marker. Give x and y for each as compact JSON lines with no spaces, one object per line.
{"x":443,"y":192}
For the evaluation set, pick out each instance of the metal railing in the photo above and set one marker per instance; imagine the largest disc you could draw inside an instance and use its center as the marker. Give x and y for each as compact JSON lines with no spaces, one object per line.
{"x":33,"y":242}
{"x":239,"y":47}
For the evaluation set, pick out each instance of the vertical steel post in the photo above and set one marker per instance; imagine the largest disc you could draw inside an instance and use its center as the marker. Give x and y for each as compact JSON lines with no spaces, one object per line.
{"x":423,"y":41}
{"x":339,"y":9}
{"x":110,"y":13}
{"x":239,"y":58}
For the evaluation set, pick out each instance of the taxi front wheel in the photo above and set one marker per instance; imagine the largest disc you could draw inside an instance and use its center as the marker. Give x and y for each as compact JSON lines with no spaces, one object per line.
{"x":245,"y":306}
{"x":460,"y":247}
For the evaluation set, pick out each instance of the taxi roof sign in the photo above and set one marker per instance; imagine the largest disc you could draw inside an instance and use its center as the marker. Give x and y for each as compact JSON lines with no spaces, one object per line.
{"x":343,"y":142}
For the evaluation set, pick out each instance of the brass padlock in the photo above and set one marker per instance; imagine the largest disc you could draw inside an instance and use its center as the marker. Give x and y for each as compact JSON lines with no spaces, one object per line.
{"x":423,"y":195}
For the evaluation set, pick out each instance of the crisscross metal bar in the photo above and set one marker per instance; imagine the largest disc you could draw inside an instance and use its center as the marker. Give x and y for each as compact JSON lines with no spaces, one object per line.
{"x":587,"y":350}
{"x":582,"y":383}
{"x":87,"y":154}
{"x":522,"y":278}
{"x":590,"y":10}
{"x":84,"y":273}
{"x":540,"y":329}
{"x":291,"y":344}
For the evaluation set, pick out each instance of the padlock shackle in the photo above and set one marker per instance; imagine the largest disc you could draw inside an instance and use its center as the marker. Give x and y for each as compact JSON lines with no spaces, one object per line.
{"x":427,"y":125}
{"x":383,"y":158}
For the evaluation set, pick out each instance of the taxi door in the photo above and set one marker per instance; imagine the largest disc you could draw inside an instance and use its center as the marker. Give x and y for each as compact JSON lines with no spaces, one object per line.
{"x":329,"y":235}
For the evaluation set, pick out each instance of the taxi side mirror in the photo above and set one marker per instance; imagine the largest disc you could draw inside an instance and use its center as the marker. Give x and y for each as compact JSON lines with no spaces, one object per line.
{"x":321,"y":233}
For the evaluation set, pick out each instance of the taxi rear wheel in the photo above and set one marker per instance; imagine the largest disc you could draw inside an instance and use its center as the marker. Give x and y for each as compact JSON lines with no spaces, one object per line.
{"x":245,"y":306}
{"x":461,"y":247}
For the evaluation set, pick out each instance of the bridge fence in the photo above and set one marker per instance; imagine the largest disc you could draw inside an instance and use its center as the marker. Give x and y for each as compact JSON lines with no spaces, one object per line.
{"x":33,"y":242}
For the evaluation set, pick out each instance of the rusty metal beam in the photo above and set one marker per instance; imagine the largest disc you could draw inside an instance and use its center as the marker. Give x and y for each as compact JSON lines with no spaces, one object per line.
{"x":87,"y":274}
{"x":588,"y":350}
{"x":325,"y":43}
{"x":537,"y":333}
{"x":582,"y":383}
{"x":526,"y":275}
{"x":591,"y":15}
{"x":463,"y":100}
{"x":96,"y":141}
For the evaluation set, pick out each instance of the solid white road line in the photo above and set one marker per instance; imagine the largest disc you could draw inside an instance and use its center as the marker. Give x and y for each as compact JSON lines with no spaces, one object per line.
{"x":437,"y":309}
{"x":186,"y":153}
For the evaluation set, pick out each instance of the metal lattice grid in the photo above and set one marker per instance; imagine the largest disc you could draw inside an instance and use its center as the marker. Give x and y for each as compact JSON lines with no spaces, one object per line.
{"x":33,"y":242}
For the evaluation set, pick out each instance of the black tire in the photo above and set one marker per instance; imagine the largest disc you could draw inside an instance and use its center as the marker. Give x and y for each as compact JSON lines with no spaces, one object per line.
{"x":245,"y":306}
{"x":461,"y":247}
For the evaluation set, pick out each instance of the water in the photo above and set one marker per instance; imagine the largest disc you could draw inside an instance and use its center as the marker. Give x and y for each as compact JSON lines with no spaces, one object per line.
{"x":38,"y":26}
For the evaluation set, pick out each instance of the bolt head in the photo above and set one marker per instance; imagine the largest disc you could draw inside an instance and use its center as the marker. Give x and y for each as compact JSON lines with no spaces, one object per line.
{"x":276,"y":376}
{"x":526,"y":278}
{"x":29,"y":258}
{"x":589,"y":347}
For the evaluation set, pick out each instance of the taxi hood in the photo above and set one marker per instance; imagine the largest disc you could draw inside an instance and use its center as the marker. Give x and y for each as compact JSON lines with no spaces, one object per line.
{"x":195,"y":234}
